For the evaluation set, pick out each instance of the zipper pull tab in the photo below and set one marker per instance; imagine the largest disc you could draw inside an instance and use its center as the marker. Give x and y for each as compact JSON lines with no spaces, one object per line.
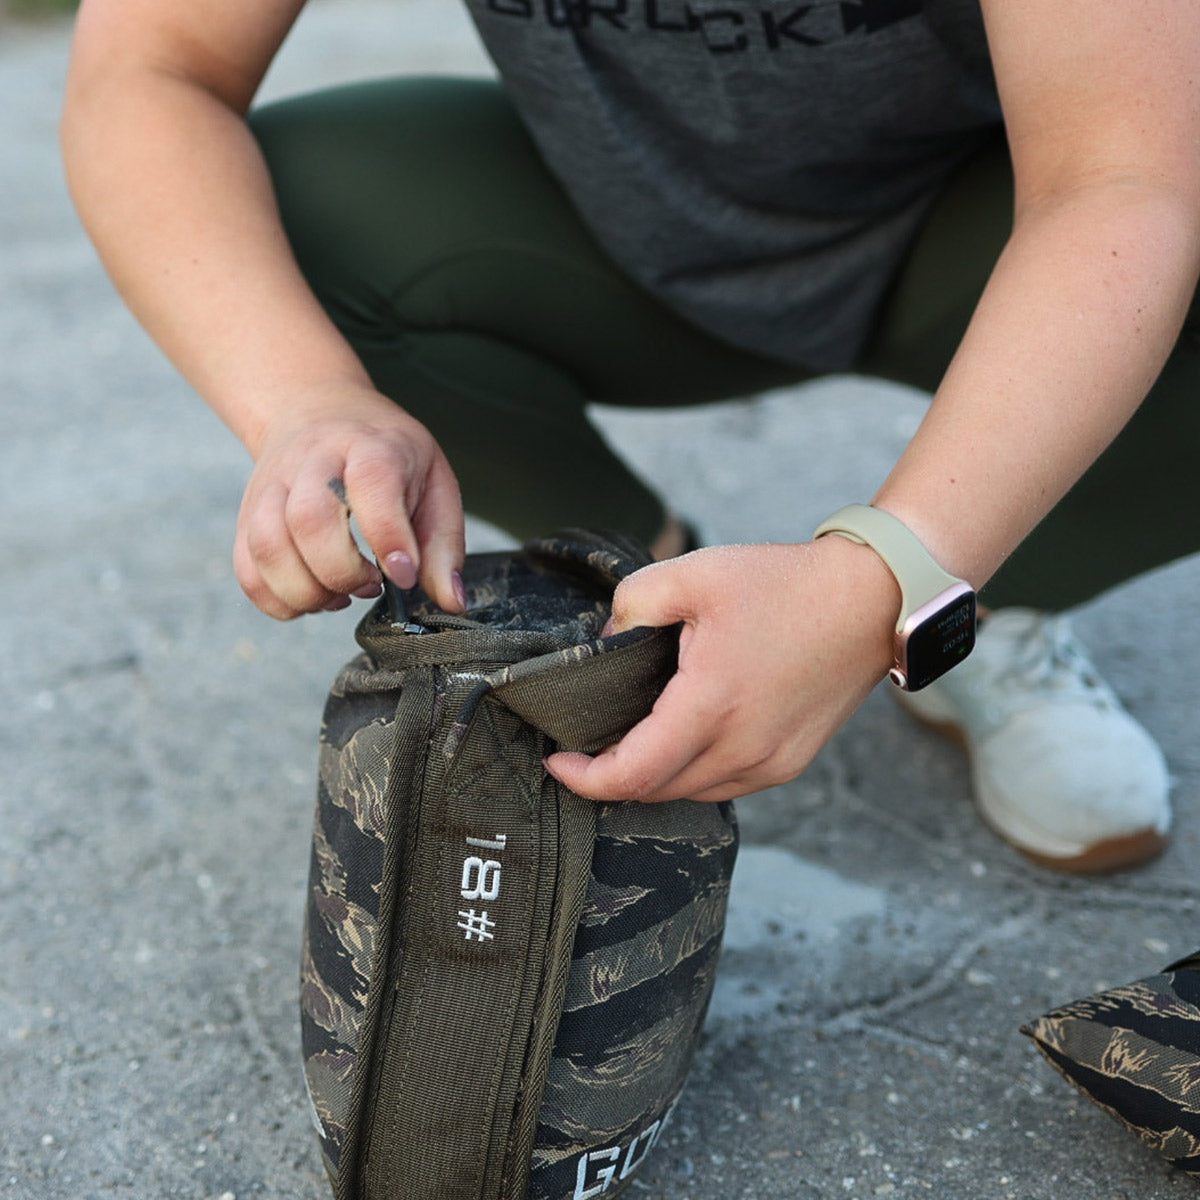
{"x":397,"y":605}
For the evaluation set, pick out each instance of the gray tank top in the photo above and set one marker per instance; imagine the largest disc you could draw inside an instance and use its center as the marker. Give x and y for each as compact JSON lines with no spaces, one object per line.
{"x":760,"y":165}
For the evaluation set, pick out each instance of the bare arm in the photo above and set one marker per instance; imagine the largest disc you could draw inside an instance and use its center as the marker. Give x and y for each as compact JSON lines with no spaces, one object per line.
{"x":171,"y":186}
{"x":1102,"y":108}
{"x":781,"y":643}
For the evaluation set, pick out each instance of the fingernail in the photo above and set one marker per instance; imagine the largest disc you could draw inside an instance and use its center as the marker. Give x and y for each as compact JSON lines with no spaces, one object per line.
{"x":337,"y":604}
{"x":400,"y":570}
{"x":460,"y":590}
{"x":368,"y":591}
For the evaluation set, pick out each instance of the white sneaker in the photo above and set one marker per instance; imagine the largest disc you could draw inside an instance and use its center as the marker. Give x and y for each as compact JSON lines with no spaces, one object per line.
{"x":1060,"y":769}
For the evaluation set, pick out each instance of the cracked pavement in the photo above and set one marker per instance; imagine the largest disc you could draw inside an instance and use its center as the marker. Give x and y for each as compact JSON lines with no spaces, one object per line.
{"x":159,"y":746}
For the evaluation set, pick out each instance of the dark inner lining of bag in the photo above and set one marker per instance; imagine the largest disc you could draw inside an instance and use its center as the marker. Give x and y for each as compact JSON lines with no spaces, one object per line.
{"x":506,"y":593}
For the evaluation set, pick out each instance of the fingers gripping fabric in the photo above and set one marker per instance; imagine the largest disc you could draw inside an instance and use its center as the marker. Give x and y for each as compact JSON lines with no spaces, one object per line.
{"x":502,"y":982}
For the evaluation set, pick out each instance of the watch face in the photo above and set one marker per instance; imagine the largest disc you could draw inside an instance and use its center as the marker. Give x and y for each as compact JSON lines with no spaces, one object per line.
{"x":939,"y":635}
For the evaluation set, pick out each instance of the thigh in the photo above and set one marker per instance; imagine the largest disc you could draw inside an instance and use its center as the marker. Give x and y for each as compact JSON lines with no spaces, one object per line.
{"x":421,"y":205}
{"x":934,"y":294}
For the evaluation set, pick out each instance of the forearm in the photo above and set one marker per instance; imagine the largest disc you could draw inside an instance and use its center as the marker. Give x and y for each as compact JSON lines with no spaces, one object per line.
{"x":1075,"y":324}
{"x":171,"y":186}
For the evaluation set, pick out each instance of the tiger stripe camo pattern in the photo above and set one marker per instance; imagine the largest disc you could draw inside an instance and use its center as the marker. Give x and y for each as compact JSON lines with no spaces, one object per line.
{"x":1135,"y":1051}
{"x":648,"y":941}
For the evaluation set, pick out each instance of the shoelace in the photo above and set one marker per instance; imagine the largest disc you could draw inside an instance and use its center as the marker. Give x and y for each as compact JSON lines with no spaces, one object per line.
{"x":1048,"y":659}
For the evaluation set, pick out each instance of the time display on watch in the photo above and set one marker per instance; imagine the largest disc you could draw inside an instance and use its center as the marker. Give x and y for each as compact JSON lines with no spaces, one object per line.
{"x":936,"y":637}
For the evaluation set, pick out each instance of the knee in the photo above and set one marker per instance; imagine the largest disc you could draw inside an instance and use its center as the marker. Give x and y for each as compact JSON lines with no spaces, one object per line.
{"x":375,"y":181}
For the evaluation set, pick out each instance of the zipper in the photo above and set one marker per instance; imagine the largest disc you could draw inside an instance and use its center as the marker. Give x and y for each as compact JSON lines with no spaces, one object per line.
{"x":397,"y":605}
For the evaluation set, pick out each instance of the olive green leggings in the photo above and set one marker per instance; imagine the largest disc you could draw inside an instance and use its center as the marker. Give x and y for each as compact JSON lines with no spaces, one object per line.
{"x":427,"y":225}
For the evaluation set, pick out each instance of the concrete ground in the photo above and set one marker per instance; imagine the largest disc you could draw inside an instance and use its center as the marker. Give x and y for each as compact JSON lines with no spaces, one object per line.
{"x":158,"y":747}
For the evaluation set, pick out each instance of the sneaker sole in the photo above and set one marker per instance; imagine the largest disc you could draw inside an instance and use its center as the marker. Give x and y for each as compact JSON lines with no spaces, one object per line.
{"x":1102,"y":857}
{"x":1112,"y":854}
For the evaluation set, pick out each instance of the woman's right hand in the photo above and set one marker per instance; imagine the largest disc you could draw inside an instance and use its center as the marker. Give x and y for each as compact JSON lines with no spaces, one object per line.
{"x":173,"y":188}
{"x":316,"y":464}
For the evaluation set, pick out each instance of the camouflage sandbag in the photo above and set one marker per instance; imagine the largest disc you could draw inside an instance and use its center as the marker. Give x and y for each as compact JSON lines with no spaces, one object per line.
{"x":502,"y":982}
{"x":1135,"y":1051}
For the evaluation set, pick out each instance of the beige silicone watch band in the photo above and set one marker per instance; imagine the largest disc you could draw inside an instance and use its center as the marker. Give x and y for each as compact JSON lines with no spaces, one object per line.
{"x":919,"y":576}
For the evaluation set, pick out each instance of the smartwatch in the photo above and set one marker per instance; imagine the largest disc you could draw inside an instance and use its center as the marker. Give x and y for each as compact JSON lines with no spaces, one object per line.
{"x":936,"y":629}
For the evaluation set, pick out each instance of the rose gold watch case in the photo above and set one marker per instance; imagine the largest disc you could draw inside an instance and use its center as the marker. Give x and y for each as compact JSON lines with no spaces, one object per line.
{"x":955,"y":641}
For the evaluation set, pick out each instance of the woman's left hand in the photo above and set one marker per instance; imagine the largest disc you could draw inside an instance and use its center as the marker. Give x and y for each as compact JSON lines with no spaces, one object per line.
{"x":780,"y":644}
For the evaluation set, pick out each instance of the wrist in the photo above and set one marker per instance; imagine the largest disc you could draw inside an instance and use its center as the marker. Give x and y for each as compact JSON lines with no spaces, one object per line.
{"x":285,"y":408}
{"x":867,"y":592}
{"x":935,"y":628}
